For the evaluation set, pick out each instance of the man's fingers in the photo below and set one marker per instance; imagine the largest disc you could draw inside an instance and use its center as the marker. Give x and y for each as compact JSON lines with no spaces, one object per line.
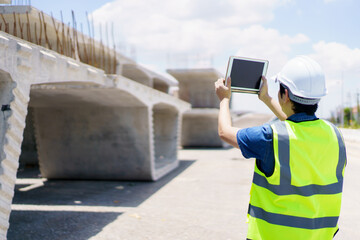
{"x":221,"y":90}
{"x":264,"y":78}
{"x":263,"y":82}
{"x":228,"y":83}
{"x":219,"y":82}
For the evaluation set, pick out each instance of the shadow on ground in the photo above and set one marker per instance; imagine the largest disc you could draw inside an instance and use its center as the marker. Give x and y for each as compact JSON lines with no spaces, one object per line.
{"x":29,"y":225}
{"x":77,"y":224}
{"x":90,"y":193}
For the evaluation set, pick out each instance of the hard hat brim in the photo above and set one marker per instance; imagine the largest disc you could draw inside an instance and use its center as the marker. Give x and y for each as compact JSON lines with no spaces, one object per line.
{"x":293,"y":97}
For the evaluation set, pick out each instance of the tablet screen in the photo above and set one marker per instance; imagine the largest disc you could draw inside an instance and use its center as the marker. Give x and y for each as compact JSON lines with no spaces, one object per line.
{"x":246,"y":74}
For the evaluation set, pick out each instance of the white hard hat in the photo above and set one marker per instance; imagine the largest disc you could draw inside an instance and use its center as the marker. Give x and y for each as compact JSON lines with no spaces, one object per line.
{"x":304,"y":79}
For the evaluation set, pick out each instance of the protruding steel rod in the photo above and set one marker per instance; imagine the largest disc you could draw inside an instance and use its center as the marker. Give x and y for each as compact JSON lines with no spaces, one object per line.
{"x":14,"y":29}
{"x":21,"y":25}
{"x":86,"y":59}
{"x":45,"y":32}
{"x":114,"y":47}
{"x":40,"y":24}
{"x":63,"y":39}
{"x":5,"y":23}
{"x":28,"y":27}
{"x":36,"y":38}
{"x":56,"y":28}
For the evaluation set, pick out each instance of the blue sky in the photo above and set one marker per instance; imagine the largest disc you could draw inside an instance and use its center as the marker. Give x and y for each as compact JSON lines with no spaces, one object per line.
{"x":333,"y":21}
{"x":204,"y":33}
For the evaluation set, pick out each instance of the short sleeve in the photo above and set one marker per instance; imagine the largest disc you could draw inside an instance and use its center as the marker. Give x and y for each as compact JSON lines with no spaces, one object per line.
{"x":252,"y":141}
{"x":257,"y":142}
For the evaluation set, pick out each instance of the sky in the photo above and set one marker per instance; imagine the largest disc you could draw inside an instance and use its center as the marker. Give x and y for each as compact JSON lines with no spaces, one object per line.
{"x":162,"y":34}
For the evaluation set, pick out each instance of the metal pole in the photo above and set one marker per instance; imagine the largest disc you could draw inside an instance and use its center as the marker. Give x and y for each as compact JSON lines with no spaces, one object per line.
{"x":358,"y":107}
{"x":342,"y":99}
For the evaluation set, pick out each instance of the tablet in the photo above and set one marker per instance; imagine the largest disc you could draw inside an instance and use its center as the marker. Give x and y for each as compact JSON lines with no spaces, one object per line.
{"x":246,"y":74}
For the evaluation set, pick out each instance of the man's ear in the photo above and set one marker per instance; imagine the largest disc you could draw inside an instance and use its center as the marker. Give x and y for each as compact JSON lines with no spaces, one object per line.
{"x":286,"y":96}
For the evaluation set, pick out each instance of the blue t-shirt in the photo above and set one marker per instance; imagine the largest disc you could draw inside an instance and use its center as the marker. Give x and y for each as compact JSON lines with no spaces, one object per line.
{"x":257,"y":142}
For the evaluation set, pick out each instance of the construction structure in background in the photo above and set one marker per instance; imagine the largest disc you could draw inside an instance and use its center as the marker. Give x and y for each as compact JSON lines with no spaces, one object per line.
{"x":44,"y":30}
{"x":189,"y":61}
{"x":200,"y":124}
{"x":348,"y":117}
{"x":79,"y":108}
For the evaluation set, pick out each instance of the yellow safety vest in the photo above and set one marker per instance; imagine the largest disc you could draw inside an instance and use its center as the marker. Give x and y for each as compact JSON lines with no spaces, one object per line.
{"x":301,"y":200}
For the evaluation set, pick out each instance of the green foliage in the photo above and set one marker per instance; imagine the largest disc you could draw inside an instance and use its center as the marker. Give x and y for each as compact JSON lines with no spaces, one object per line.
{"x":347,"y":116}
{"x":349,"y":119}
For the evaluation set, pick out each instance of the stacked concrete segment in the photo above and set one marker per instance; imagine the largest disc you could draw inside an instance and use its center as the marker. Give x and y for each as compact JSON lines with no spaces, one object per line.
{"x":105,"y":131}
{"x":200,"y":124}
{"x":196,"y":86}
{"x":87,"y":124}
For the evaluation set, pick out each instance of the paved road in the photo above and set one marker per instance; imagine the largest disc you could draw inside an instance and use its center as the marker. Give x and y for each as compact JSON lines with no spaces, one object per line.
{"x":350,"y":212}
{"x":205,"y":198}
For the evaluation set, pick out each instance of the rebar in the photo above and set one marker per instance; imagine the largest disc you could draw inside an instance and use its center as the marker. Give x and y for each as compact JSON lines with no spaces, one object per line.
{"x":84,"y":43}
{"x":69,"y":41}
{"x":45,"y":32}
{"x":40,"y":24}
{"x":28,"y":27}
{"x":5,"y":23}
{"x":114,"y":47}
{"x":76,"y":41}
{"x":14,"y":29}
{"x":58,"y":43}
{"x":63,"y":35}
{"x":21,"y":25}
{"x":36,"y":38}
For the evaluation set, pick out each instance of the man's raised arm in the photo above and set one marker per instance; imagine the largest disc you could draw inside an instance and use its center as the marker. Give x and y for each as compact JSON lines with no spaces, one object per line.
{"x":269,"y":101}
{"x":225,"y":129}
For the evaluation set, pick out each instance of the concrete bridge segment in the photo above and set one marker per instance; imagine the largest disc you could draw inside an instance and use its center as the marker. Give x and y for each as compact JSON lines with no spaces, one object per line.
{"x":88,"y":125}
{"x":200,"y":124}
{"x":196,"y":86}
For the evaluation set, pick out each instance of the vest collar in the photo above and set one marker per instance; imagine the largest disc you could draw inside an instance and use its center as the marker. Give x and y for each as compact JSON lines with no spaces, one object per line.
{"x":301,"y":117}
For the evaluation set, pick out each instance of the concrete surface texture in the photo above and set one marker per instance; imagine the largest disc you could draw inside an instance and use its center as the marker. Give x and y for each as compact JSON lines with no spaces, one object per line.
{"x":87,"y":124}
{"x":196,"y":86}
{"x":205,"y":198}
{"x":199,"y":127}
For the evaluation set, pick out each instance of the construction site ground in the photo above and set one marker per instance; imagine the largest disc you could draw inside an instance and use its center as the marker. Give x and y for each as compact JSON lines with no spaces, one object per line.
{"x":206,"y":197}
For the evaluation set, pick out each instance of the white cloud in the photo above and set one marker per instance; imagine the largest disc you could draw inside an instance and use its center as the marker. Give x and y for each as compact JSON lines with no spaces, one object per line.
{"x":341,"y":66}
{"x":259,"y":42}
{"x":202,"y":27}
{"x":337,"y":56}
{"x":231,"y":12}
{"x":337,"y":60}
{"x":177,"y":24}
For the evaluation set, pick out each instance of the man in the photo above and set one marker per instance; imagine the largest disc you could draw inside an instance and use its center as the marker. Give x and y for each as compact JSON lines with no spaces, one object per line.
{"x":300,"y":160}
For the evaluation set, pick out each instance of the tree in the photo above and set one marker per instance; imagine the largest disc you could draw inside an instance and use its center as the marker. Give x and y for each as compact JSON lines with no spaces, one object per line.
{"x":348,"y":118}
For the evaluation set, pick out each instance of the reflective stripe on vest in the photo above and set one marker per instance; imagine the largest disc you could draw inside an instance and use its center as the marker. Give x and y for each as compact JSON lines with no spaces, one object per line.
{"x":286,"y":189}
{"x":291,"y":221}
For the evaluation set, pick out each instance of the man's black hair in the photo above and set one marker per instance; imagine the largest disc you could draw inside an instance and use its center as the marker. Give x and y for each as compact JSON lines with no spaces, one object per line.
{"x":298,"y":107}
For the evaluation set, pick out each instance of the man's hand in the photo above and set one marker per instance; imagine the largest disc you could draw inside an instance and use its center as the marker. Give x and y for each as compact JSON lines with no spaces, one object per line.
{"x":226,"y":132}
{"x":264,"y":91}
{"x":221,"y":90}
{"x":269,"y":101}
